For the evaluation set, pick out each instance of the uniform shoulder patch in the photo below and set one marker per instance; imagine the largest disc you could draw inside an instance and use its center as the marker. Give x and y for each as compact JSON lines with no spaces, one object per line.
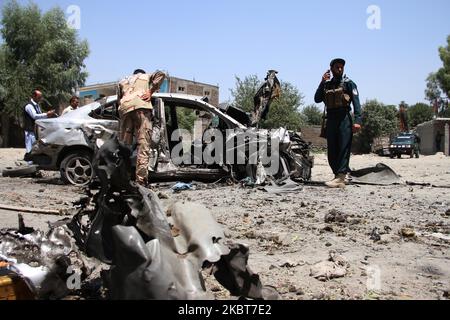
{"x":355,"y":92}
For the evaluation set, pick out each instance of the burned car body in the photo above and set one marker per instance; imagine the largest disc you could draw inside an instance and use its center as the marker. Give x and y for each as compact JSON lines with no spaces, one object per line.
{"x":185,"y":129}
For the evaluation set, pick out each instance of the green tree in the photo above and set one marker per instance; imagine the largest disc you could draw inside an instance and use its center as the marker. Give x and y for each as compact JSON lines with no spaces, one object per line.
{"x":443,"y":74}
{"x":419,"y":113}
{"x":433,"y":91}
{"x":284,"y":111}
{"x":377,"y":120}
{"x":313,"y":115}
{"x":41,"y":51}
{"x":244,"y":92}
{"x":445,"y":113}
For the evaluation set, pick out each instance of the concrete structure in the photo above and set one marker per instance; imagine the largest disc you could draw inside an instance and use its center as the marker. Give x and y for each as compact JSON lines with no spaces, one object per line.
{"x":90,"y":93}
{"x":434,"y":136}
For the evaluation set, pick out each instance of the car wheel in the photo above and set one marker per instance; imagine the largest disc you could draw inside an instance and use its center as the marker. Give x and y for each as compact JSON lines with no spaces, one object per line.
{"x":391,"y":156}
{"x":399,"y":155}
{"x":77,"y":169}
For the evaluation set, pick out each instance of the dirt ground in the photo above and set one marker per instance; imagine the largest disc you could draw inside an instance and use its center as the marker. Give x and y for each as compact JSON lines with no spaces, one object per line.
{"x":287,"y":233}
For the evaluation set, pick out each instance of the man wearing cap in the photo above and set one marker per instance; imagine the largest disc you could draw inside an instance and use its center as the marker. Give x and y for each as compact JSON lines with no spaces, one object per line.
{"x":135,"y":113}
{"x":338,"y":94}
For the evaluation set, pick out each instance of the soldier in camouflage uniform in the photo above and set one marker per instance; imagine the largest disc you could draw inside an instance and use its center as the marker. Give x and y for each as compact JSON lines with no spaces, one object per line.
{"x":135,"y":112}
{"x":338,"y":94}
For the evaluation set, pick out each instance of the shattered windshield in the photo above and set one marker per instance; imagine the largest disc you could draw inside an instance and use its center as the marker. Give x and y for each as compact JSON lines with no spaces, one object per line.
{"x":106,"y":111}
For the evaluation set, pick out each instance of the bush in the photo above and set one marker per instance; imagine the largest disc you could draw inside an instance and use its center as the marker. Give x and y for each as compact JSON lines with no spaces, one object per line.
{"x":377,"y":120}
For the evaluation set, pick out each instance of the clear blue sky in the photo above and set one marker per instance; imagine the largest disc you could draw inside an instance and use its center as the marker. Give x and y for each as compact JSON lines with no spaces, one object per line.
{"x":212,"y":41}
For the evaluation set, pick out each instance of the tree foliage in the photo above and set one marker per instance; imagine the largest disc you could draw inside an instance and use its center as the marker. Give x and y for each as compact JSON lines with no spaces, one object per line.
{"x":433,"y":91}
{"x":377,"y":120}
{"x":39,"y":51}
{"x":284,"y":111}
{"x":186,"y":118}
{"x":313,"y":115}
{"x":443,"y":74}
{"x":434,"y":94}
{"x":419,"y":113}
{"x":245,"y":90}
{"x":445,"y":113}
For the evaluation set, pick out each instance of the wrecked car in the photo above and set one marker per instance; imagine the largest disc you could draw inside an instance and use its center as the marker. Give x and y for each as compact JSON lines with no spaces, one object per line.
{"x":193,"y":140}
{"x":65,"y":143}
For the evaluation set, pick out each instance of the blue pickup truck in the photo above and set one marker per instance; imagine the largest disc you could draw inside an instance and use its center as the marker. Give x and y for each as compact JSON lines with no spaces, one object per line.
{"x":405,"y":143}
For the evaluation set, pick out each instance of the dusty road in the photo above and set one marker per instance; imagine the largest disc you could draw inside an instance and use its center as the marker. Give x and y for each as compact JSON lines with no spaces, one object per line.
{"x":287,"y":234}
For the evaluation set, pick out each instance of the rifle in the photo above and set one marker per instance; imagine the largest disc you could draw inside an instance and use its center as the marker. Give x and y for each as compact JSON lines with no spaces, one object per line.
{"x":324,"y":124}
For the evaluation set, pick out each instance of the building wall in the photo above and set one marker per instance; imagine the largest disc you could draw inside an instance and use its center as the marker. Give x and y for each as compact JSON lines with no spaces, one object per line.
{"x":427,"y":138}
{"x":91,"y":93}
{"x":312,"y":134}
{"x":428,"y":132}
{"x":178,"y":85}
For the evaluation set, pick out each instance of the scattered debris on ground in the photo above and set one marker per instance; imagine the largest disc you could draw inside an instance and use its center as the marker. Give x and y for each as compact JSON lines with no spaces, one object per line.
{"x":287,"y":232}
{"x":335,"y":267}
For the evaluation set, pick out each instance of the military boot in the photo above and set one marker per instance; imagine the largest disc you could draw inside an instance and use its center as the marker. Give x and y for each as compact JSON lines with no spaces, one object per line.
{"x":348,"y":178}
{"x":337,"y":182}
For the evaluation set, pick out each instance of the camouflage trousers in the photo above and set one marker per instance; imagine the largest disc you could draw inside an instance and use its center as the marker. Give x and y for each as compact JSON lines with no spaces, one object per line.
{"x":138,"y":124}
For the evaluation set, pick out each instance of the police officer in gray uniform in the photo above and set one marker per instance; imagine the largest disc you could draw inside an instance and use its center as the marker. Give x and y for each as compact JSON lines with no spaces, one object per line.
{"x":338,"y":94}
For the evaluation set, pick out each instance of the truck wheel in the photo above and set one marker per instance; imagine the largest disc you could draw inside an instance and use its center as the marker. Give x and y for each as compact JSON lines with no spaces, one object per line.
{"x":76,"y":168}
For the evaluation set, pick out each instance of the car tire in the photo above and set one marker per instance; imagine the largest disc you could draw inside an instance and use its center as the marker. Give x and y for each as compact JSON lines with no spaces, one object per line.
{"x":399,"y":156}
{"x":391,"y":156}
{"x":19,"y":171}
{"x":77,"y":169}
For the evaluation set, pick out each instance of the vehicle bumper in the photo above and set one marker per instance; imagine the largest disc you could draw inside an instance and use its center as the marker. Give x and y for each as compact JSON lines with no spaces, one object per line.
{"x":400,"y":150}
